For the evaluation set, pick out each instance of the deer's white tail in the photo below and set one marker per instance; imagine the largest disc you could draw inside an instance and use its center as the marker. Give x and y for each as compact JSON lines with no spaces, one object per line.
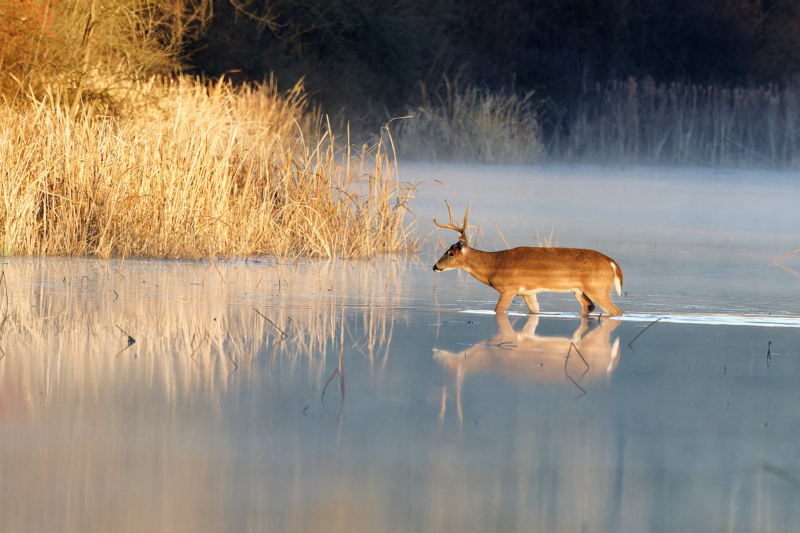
{"x":617,"y":278}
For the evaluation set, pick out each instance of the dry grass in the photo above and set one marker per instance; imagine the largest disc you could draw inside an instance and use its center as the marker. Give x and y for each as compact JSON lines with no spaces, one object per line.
{"x":624,"y":122}
{"x":645,"y":122}
{"x":195,"y":171}
{"x":472,"y":125}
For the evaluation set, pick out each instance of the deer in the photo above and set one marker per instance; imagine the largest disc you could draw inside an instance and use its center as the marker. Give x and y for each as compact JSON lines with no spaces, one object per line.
{"x":527,"y":271}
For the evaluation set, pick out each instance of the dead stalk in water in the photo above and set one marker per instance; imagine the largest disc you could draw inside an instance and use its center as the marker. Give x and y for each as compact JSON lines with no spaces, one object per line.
{"x":131,"y":340}
{"x":339,"y":371}
{"x":501,"y":234}
{"x":191,"y":344}
{"x":218,"y":272}
{"x":265,"y":273}
{"x":283,"y":335}
{"x":640,"y":333}
{"x":783,"y":267}
{"x":784,"y":255}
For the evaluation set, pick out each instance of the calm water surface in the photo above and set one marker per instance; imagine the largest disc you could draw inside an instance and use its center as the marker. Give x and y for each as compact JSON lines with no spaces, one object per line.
{"x":437,"y":416}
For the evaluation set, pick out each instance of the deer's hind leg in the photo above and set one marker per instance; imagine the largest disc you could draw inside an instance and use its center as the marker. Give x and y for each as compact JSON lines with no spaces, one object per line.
{"x":603,"y":299}
{"x":530,"y":301}
{"x":587,"y":306}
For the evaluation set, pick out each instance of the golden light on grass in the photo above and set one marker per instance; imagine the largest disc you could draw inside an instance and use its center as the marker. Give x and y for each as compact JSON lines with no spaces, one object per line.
{"x":195,"y":170}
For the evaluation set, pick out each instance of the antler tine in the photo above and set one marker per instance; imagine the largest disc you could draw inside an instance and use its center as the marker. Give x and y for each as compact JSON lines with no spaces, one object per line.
{"x":450,"y":225}
{"x":464,"y":229}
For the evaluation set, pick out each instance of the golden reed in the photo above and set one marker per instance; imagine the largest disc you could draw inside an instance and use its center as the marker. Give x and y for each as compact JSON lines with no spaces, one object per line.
{"x":193,"y":170}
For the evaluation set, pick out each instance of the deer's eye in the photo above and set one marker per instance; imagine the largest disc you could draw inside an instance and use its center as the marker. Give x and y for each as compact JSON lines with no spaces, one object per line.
{"x":450,"y":254}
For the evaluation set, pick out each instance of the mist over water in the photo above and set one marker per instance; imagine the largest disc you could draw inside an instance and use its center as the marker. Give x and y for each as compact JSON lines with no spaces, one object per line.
{"x":441,"y":417}
{"x":686,"y":239}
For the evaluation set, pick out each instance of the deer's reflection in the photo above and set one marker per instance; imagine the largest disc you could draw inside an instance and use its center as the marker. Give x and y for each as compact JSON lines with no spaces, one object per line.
{"x":589,"y":354}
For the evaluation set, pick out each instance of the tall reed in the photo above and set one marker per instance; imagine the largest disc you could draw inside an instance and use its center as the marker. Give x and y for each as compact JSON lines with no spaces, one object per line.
{"x":193,"y":170}
{"x":473,"y":125}
{"x":655,"y":123}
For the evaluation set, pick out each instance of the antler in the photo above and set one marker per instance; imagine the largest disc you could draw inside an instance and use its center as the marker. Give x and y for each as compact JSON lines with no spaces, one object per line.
{"x":463,"y":229}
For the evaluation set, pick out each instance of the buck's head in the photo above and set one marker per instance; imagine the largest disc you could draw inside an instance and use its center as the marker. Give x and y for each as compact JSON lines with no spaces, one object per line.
{"x":454,"y":256}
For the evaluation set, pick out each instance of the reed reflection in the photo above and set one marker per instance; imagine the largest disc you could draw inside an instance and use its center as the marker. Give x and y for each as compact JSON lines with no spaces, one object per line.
{"x":589,"y":354}
{"x":216,"y":371}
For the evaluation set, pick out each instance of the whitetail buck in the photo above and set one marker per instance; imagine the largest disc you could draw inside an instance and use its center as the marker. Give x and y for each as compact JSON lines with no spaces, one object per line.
{"x":587,"y":274}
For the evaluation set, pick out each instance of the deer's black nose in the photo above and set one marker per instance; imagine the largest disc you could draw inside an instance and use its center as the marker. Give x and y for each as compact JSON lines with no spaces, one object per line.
{"x":435,"y":269}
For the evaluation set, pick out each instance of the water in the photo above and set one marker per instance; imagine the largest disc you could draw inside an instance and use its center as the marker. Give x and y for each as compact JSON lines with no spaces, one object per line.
{"x":447,"y":418}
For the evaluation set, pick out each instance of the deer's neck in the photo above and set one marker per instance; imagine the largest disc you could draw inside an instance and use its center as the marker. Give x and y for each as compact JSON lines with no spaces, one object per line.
{"x":479,"y":264}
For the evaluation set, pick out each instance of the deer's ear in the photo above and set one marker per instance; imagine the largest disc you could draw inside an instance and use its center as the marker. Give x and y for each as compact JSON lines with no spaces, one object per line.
{"x":461,"y":243}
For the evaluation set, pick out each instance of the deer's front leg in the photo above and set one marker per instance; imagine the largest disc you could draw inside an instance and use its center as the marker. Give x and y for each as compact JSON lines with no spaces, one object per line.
{"x":504,"y":302}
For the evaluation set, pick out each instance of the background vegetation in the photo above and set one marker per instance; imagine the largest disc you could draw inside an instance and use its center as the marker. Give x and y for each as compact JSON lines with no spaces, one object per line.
{"x":372,"y":60}
{"x":508,"y":81}
{"x":107,"y":150}
{"x":196,"y":128}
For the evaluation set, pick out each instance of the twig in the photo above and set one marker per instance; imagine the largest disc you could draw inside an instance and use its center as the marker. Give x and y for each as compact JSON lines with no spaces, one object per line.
{"x":207,"y":269}
{"x":284,"y":335}
{"x":339,"y":371}
{"x":341,"y":368}
{"x":328,"y":382}
{"x":789,"y":270}
{"x":769,"y":355}
{"x":784,"y":255}
{"x":571,"y":346}
{"x":501,"y":233}
{"x":131,"y":340}
{"x":390,"y":276}
{"x":265,"y":273}
{"x":274,"y":349}
{"x":122,"y":350}
{"x":191,"y":345}
{"x":232,"y":361}
{"x":437,"y":281}
{"x":640,"y":333}
{"x":576,"y":384}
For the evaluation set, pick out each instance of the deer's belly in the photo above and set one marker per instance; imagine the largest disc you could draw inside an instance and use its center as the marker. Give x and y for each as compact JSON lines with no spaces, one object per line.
{"x":528,"y":290}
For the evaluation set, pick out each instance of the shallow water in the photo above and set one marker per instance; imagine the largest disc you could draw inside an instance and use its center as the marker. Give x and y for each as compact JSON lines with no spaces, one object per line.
{"x":443,"y":417}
